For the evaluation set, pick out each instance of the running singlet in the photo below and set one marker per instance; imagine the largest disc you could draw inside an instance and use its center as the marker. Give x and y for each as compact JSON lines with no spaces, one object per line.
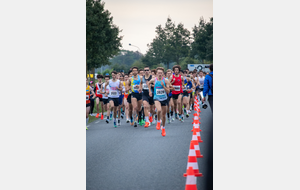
{"x":98,"y":87}
{"x":145,"y":86}
{"x":103,"y":90}
{"x":123,"y":91}
{"x":135,"y":84}
{"x":201,"y":80}
{"x":88,"y":94}
{"x":189,"y":86}
{"x":159,"y":91}
{"x":177,"y":85}
{"x":170,"y":93}
{"x":113,"y":91}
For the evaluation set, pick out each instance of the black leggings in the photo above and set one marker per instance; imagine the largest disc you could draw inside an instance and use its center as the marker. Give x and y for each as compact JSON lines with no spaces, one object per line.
{"x":92,"y":105}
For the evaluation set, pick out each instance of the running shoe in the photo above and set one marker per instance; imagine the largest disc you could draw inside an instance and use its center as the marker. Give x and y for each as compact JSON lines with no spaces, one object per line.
{"x":150,"y":119}
{"x":110,"y":116}
{"x":173,"y":119}
{"x":169,"y":120}
{"x":147,"y":124}
{"x":143,"y":122}
{"x":86,"y":128}
{"x":187,"y":115}
{"x":135,"y":124}
{"x":107,"y":121}
{"x":182,"y":118}
{"x":163,"y":132}
{"x":115,"y":124}
{"x":127,"y":120}
{"x":131,"y":121}
{"x":158,"y":126}
{"x":97,"y":116}
{"x":119,"y":122}
{"x":176,"y":116}
{"x":102,"y":116}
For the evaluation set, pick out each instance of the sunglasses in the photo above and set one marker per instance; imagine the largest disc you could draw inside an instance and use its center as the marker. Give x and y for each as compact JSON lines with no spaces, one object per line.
{"x":146,"y":70}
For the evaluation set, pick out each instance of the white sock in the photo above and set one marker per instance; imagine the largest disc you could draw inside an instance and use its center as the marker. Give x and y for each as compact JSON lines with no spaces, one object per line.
{"x":147,"y":119}
{"x":115,"y":119}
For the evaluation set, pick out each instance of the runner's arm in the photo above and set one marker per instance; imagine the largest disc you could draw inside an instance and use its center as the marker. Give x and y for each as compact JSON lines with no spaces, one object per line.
{"x":94,"y":95}
{"x":167,"y":87}
{"x":149,"y":84}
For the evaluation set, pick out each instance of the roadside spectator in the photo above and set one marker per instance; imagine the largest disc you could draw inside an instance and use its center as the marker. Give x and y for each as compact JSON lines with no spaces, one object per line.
{"x":92,"y":100}
{"x":208,"y":87}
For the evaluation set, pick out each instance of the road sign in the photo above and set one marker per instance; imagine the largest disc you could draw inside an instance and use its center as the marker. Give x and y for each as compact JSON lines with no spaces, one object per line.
{"x":199,"y":67}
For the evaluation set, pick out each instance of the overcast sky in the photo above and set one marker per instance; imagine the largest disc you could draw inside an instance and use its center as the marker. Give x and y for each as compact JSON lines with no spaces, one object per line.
{"x":138,"y":18}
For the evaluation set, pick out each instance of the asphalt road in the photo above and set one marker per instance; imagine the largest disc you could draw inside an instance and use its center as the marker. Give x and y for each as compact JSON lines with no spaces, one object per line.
{"x":129,"y":158}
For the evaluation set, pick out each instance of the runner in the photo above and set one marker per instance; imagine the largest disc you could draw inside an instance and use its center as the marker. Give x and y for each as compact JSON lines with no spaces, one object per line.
{"x":88,"y":102}
{"x":121,"y":105}
{"x":146,"y":98}
{"x":99,"y":96}
{"x":136,"y":93}
{"x":114,"y":87}
{"x":170,"y":107}
{"x":105,"y":102}
{"x":161,"y":89}
{"x":176,"y":81}
{"x":129,"y":97}
{"x":92,"y":100}
{"x":187,"y":90}
{"x":201,"y":82}
{"x":125,"y":98}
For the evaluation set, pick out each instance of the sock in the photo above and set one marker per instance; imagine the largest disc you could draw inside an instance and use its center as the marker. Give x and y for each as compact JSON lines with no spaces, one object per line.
{"x":107,"y":117}
{"x":171,"y":113}
{"x":163,"y":127}
{"x":115,"y":119}
{"x":87,"y":120}
{"x":168,"y":115}
{"x":158,"y":121}
{"x":147,"y":119}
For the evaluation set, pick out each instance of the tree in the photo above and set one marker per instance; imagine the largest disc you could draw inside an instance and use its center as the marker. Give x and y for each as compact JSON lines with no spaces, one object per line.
{"x":202,"y":47}
{"x":102,"y":40}
{"x":170,"y":44}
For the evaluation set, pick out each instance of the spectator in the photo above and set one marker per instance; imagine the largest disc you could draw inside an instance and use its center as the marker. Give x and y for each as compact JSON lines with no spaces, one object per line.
{"x":92,"y":99}
{"x":208,"y":87}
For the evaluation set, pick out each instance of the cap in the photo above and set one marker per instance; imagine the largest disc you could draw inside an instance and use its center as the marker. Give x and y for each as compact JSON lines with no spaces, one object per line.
{"x":91,"y":82}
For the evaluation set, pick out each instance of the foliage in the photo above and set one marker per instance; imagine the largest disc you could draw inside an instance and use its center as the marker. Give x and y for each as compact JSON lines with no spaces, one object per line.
{"x":202,"y":47}
{"x":102,"y":40}
{"x":170,"y":44}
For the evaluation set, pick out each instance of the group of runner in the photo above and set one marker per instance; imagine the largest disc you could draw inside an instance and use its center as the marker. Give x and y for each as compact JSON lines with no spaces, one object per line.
{"x":146,"y":96}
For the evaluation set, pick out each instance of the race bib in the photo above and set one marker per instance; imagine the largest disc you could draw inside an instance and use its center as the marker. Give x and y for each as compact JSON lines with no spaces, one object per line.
{"x":145,"y":86}
{"x":136,"y":87}
{"x":113,"y":93}
{"x":177,"y":87}
{"x":160,"y":91}
{"x":184,"y":88}
{"x":98,"y":91}
{"x":87,"y":97}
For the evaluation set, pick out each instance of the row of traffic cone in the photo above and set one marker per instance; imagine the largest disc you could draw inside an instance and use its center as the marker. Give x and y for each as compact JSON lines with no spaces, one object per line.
{"x":192,"y":167}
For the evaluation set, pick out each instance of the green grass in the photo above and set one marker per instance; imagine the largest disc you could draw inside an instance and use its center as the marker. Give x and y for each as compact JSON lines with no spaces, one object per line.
{"x":93,"y":118}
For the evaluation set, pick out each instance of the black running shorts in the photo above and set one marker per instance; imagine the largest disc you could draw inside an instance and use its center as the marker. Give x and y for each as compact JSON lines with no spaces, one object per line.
{"x":115,"y":100}
{"x":138,"y":96}
{"x":163,"y":103}
{"x":148,"y":99}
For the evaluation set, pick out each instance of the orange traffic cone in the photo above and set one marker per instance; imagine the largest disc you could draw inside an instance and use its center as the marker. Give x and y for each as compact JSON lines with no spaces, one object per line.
{"x":196,"y":146}
{"x":196,"y":125}
{"x":196,"y":132}
{"x":190,"y":183}
{"x":192,"y":160}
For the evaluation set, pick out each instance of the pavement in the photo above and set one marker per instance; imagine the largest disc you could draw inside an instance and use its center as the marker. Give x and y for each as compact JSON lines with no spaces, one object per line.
{"x":129,"y":158}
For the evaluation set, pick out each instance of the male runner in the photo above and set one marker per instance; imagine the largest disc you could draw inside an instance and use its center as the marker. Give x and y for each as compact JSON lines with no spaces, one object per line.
{"x":187,"y":90}
{"x":99,"y":96}
{"x":136,"y":93}
{"x":161,"y":89}
{"x":105,"y":91}
{"x":146,"y":98}
{"x":129,"y":89}
{"x":125,"y":98}
{"x":88,"y":102}
{"x":177,"y":81}
{"x":170,"y":99}
{"x":114,"y":87}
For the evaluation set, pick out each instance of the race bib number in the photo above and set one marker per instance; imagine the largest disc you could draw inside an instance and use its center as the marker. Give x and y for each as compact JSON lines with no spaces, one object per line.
{"x":87,"y":97}
{"x":145,"y":86}
{"x":184,"y":88}
{"x":98,"y":91}
{"x":160,"y":91}
{"x":136,"y":87}
{"x":113,"y":93}
{"x":177,"y":87}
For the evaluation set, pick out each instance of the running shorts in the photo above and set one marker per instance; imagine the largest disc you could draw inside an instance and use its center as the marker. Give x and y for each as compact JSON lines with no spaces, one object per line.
{"x":115,"y":100}
{"x":163,"y":103}
{"x":148,"y":99}
{"x":138,"y":96}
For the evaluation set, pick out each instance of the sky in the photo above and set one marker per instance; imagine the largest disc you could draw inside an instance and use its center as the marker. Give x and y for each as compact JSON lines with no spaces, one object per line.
{"x":138,"y":18}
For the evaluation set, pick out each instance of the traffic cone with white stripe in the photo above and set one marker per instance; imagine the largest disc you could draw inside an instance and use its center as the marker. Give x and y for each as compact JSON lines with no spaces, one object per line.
{"x":191,"y":182}
{"x":196,"y":125}
{"x":192,"y":160}
{"x":196,"y":132}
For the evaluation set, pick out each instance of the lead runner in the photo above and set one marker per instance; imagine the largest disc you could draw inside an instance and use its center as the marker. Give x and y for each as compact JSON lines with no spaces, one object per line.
{"x":161,"y":89}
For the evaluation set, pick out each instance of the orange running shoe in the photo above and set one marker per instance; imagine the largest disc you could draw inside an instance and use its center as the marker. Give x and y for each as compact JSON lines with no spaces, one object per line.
{"x":101,"y":116}
{"x":97,"y":116}
{"x":163,"y":132}
{"x":146,"y":124}
{"x":158,"y":126}
{"x":151,"y":119}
